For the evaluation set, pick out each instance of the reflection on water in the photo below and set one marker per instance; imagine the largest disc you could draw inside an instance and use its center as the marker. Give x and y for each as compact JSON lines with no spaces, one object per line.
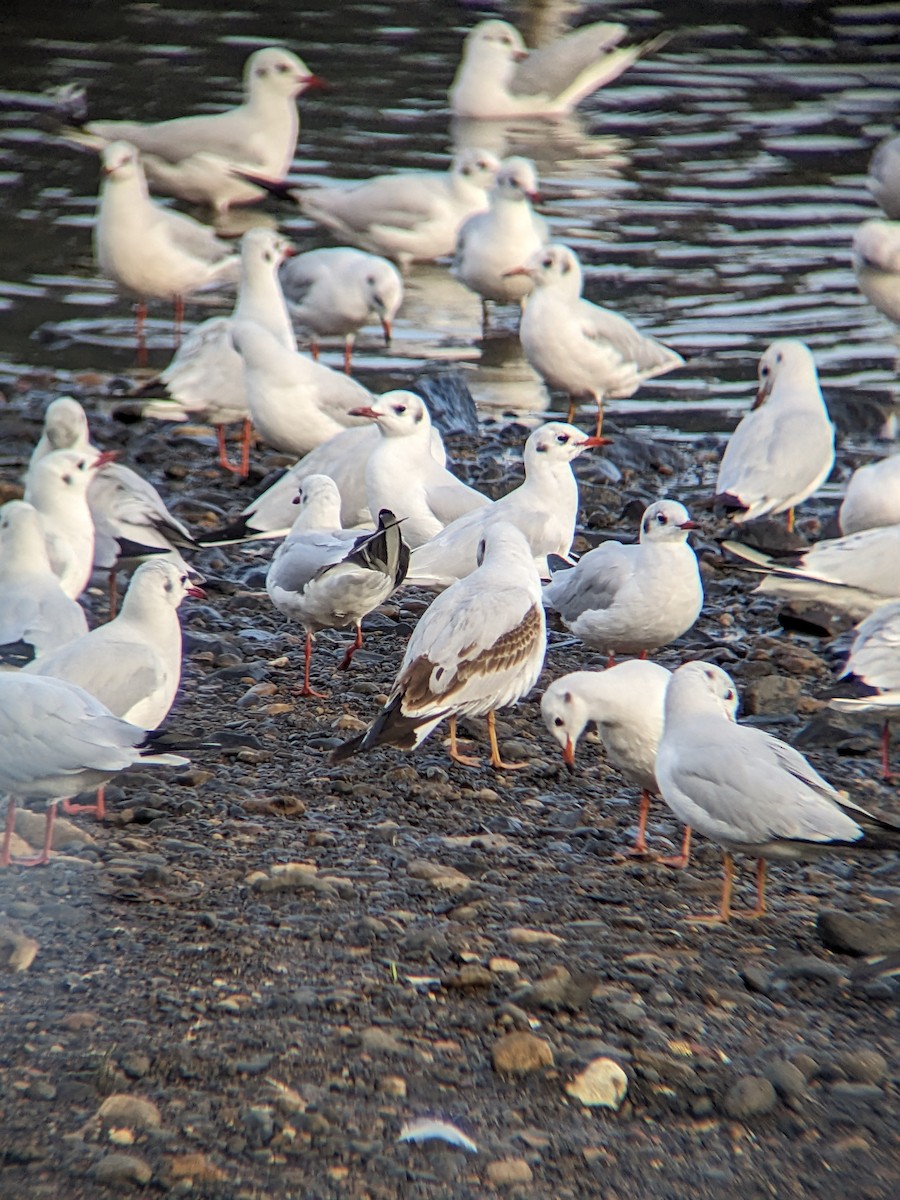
{"x":711,"y":192}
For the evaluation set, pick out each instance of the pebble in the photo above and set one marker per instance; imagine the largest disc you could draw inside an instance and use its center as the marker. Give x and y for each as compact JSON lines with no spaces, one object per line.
{"x":505,"y":1172}
{"x":787,"y":1078}
{"x":393,"y":1085}
{"x":135,"y":1112}
{"x":854,"y":1098}
{"x":522,"y":936}
{"x":195,"y":1166}
{"x":381,"y":1041}
{"x":521,"y":1052}
{"x":17,"y":952}
{"x":847,"y":934}
{"x":446,"y":878}
{"x":865,"y":1066}
{"x":771,"y":694}
{"x":559,"y":988}
{"x":472,"y":975}
{"x":117,"y":1169}
{"x":751,"y":1096}
{"x":602,"y":1083}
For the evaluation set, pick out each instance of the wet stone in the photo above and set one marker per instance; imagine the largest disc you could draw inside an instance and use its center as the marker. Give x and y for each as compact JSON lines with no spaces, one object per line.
{"x":848,"y":934}
{"x":750,"y":1096}
{"x":787,"y":1079}
{"x":865,"y":1066}
{"x":120,"y":1170}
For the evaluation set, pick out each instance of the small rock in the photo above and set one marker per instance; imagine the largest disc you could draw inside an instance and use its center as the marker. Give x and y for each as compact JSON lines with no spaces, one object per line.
{"x":756,"y":978}
{"x":83,"y":1019}
{"x":751,"y":1096}
{"x":122,"y":1168}
{"x":393,"y":1085}
{"x":195,"y":1166}
{"x":448,"y":879}
{"x":602,"y":1084}
{"x":852,"y":1098}
{"x":787,"y":1078}
{"x":381,"y":1041}
{"x":132,"y":1111}
{"x":847,"y":934}
{"x":503,"y":966}
{"x":772,"y":694}
{"x":521,"y":1052}
{"x":472,"y":975}
{"x":17,"y":952}
{"x":121,"y":1137}
{"x":135,"y":1065}
{"x":533,"y":937}
{"x":865,"y":1066}
{"x":559,"y":988}
{"x":507,"y":1171}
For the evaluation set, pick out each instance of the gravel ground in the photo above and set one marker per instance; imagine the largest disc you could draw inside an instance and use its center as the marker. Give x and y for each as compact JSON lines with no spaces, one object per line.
{"x":450,"y":943}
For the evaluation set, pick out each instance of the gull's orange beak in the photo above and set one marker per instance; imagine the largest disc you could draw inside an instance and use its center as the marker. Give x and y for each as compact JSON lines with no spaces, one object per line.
{"x":569,"y":755}
{"x":364,"y":412}
{"x":688,"y":525}
{"x":590,"y":442}
{"x":197,"y":592}
{"x":104,"y":458}
{"x":516,"y":271}
{"x":386,"y":328}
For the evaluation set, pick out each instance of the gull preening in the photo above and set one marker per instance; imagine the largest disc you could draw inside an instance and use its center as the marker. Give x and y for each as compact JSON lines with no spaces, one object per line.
{"x":876,"y":264}
{"x":748,"y":791}
{"x":479,"y":646}
{"x":783,"y":450}
{"x":148,"y":251}
{"x":201,"y":158}
{"x":401,"y":473}
{"x":628,"y":599}
{"x":586,"y":351}
{"x":492,"y":244}
{"x":205,"y":379}
{"x":544,"y":508}
{"x":326,"y":577}
{"x":884,"y":177}
{"x":335,"y":291}
{"x":498,"y":77}
{"x":410,"y":216}
{"x":36,"y":615}
{"x":626,"y":704}
{"x":872,"y":497}
{"x":57,"y":740}
{"x":874,"y":661}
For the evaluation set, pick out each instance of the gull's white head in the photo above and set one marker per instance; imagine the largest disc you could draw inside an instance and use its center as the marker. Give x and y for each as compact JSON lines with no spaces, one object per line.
{"x":701,"y":687}
{"x":159,"y":581}
{"x":501,"y":538}
{"x":398,"y":414}
{"x":120,"y":162}
{"x":666,"y":521}
{"x":63,"y":475}
{"x":275,"y":70}
{"x":516,"y":180}
{"x":565,"y":713}
{"x":20,"y":530}
{"x":553,"y":266}
{"x":66,"y":425}
{"x":557,"y":442}
{"x":263,"y":249}
{"x":383,"y":289}
{"x":477,"y":167}
{"x":319,"y":501}
{"x":495,"y":42}
{"x":784,"y":359}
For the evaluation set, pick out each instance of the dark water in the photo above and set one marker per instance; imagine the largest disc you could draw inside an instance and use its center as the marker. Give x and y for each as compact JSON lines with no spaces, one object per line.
{"x":711,"y":192}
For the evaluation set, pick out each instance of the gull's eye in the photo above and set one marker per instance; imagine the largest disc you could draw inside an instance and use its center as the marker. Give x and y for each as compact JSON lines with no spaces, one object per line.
{"x":562,"y":438}
{"x":67,"y":479}
{"x":548,"y":261}
{"x":710,"y":674}
{"x":764,"y":369}
{"x":662,"y":519}
{"x":282,"y":68}
{"x":778,"y":358}
{"x":729,"y":695}
{"x":559,"y":722}
{"x":399,"y":409}
{"x":184,"y":581}
{"x":370,"y":280}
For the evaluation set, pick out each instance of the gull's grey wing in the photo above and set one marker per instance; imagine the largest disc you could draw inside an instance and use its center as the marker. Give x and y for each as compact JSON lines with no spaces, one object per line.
{"x":763,"y":451}
{"x":594,"y":583}
{"x":298,"y":561}
{"x":118,"y":674}
{"x":550,"y":70}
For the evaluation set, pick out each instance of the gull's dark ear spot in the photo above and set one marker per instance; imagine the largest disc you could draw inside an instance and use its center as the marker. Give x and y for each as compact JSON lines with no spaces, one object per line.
{"x":261,"y":71}
{"x":566,"y":266}
{"x":420,"y":416}
{"x":567,"y":697}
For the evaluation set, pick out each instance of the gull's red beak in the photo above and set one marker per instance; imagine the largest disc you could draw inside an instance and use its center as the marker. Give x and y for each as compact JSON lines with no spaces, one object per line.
{"x":197,"y":592}
{"x":364,"y":412}
{"x":688,"y":525}
{"x":516,"y":271}
{"x":569,"y":754}
{"x":313,"y":83}
{"x":104,"y":458}
{"x":590,"y":442}
{"x":388,"y":331}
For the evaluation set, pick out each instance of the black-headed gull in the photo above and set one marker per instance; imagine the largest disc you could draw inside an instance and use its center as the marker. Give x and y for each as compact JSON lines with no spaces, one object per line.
{"x":872,"y":496}
{"x":198,"y":158}
{"x":884,"y":177}
{"x":628,"y":599}
{"x":544,"y":507}
{"x":36,"y":615}
{"x":854,"y":574}
{"x":478,"y":647}
{"x":130,"y":517}
{"x":876,"y":263}
{"x":132,"y":664}
{"x":492,"y":244}
{"x":148,"y":251}
{"x":410,"y":216}
{"x":498,"y":77}
{"x":295,"y":404}
{"x":57,"y":740}
{"x":326,"y":577}
{"x":57,"y":487}
{"x":401,"y":473}
{"x":626,"y":704}
{"x":586,"y":351}
{"x":874,"y":661}
{"x":783,"y":450}
{"x":333,"y":292}
{"x":205,"y":379}
{"x":748,"y":791}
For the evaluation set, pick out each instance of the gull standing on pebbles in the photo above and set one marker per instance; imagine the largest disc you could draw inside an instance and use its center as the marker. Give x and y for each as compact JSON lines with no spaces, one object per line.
{"x":327,"y":577}
{"x":402,"y":475}
{"x":628,"y":599}
{"x":588,"y":352}
{"x":132,"y":664}
{"x":884,"y":177}
{"x":783,"y":450}
{"x":492,"y":244}
{"x":334,"y":291}
{"x":410,"y":216}
{"x":57,"y":487}
{"x":205,"y":379}
{"x":36,"y":615}
{"x":149,"y":251}
{"x":874,"y":661}
{"x":478,"y":647}
{"x":872,"y":498}
{"x":876,"y":264}
{"x":57,"y":740}
{"x":748,"y":791}
{"x":199,"y":158}
{"x":626,"y":704}
{"x":544,"y":508}
{"x":498,"y":77}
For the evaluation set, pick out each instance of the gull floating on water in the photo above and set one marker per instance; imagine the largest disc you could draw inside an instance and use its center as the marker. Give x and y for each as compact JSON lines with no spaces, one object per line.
{"x":783,"y":450}
{"x":498,"y":77}
{"x":478,"y":647}
{"x":628,"y":599}
{"x":325,"y":577}
{"x":748,"y":791}
{"x":36,"y":615}
{"x":57,"y":740}
{"x":205,"y":379}
{"x":884,"y":177}
{"x":334,"y":291}
{"x":876,"y":263}
{"x":199,"y":158}
{"x":148,"y":251}
{"x":626,"y":704}
{"x":874,"y":660}
{"x":544,"y":508}
{"x":401,"y":473}
{"x":872,"y":497}
{"x":586,"y":351}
